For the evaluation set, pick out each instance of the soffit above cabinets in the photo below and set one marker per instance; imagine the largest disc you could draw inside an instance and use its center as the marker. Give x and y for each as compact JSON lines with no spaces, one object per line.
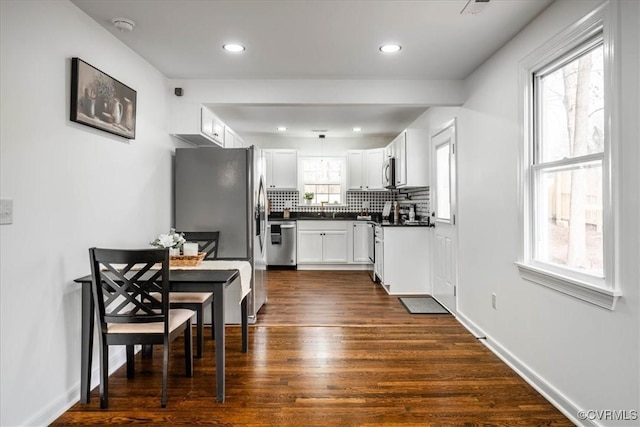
{"x":334,"y":121}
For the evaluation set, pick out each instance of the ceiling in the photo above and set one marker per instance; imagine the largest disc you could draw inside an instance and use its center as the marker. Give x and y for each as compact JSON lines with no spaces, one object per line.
{"x":315,"y":39}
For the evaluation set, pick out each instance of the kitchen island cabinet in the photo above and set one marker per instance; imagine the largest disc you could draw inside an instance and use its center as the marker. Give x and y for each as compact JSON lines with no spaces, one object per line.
{"x":405,"y":264}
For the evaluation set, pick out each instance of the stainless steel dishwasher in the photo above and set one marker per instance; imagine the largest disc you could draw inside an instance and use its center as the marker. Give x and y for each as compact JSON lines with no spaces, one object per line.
{"x":281,"y":243}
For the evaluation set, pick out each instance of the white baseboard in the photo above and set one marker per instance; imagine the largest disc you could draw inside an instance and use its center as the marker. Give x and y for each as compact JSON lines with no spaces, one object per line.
{"x":333,"y":267}
{"x":554,"y":396}
{"x":63,"y":403}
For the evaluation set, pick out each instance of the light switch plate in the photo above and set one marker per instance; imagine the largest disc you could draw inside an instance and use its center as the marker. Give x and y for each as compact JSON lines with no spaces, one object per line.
{"x":6,"y":211}
{"x":287,"y":204}
{"x":365,"y":205}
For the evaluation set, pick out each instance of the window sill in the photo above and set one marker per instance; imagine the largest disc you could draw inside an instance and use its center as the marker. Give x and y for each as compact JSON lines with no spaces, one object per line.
{"x":605,"y":298}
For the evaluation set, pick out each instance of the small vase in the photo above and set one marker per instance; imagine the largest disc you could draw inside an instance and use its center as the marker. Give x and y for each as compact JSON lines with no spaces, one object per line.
{"x":174,"y":251}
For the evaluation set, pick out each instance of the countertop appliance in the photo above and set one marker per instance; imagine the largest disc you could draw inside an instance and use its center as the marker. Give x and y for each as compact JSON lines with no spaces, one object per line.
{"x":389,"y":173}
{"x":281,"y":243}
{"x":223,"y":190}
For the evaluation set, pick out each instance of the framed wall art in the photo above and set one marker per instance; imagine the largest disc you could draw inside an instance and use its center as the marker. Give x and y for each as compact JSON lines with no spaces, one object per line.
{"x":102,"y":102}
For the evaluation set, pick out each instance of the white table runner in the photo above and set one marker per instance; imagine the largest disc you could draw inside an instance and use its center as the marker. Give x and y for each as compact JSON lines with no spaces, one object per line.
{"x":242,"y":266}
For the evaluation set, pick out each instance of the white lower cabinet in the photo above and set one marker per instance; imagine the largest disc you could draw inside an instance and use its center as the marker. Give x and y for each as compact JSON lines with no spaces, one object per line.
{"x":334,"y":246}
{"x":322,"y":242}
{"x":310,"y":246}
{"x":403,"y":260}
{"x":361,"y":242}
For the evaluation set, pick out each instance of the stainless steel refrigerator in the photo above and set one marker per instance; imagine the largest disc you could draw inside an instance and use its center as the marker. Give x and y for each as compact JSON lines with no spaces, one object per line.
{"x":220,"y":189}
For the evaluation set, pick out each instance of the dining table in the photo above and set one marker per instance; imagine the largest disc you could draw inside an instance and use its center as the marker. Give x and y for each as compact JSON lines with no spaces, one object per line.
{"x":209,"y":276}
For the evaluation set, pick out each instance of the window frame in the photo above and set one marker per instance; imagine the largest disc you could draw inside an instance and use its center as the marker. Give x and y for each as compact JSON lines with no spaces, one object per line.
{"x":343,"y":181}
{"x":568,"y":45}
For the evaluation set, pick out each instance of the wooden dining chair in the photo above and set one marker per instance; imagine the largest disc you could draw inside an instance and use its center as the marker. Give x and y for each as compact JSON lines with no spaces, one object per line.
{"x":197,"y":301}
{"x":125,"y":289}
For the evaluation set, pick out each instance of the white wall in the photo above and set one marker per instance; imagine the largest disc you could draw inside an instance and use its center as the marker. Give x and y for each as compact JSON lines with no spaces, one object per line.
{"x":580,"y":355}
{"x":72,"y":187}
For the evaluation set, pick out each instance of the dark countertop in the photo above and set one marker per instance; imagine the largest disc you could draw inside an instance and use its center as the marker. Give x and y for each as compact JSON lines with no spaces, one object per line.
{"x":376,"y":218}
{"x":412,"y":225}
{"x":339,"y":216}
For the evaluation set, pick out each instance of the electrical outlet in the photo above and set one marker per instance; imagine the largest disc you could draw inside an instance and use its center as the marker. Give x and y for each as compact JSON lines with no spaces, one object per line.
{"x":494,"y":301}
{"x":365,"y":204}
{"x":6,"y":211}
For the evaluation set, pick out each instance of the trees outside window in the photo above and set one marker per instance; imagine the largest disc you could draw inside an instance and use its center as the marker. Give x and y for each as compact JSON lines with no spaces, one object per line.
{"x":568,"y":156}
{"x":569,"y":182}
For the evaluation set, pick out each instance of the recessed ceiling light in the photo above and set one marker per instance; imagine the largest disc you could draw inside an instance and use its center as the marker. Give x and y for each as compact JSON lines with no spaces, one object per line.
{"x":390,"y":48}
{"x":282,"y":128}
{"x":357,"y":129}
{"x":233,"y":47}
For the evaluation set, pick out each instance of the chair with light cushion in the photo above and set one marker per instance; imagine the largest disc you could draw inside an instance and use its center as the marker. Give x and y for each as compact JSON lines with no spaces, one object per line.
{"x":197,"y":301}
{"x":126,"y":285}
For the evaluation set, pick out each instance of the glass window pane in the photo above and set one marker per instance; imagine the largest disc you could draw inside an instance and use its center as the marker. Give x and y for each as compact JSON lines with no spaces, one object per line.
{"x":568,"y":223}
{"x":571,"y":106}
{"x":443,"y":196}
{"x":334,"y":198}
{"x":320,"y":197}
{"x":323,"y":176}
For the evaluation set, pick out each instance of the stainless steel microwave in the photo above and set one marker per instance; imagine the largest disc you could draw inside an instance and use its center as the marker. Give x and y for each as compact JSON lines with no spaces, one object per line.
{"x":389,"y":173}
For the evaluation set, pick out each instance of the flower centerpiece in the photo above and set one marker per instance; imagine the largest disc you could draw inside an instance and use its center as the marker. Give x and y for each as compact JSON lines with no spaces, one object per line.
{"x":172,"y":240}
{"x":308,"y":197}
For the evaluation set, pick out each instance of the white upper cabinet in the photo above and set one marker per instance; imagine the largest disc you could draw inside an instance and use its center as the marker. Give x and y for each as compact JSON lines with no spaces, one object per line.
{"x":212,"y":126}
{"x":365,"y":169}
{"x":196,"y":125}
{"x":400,"y":154}
{"x":282,"y":169}
{"x":232,"y":139}
{"x":354,"y":165}
{"x":411,"y":151}
{"x":372,"y":172}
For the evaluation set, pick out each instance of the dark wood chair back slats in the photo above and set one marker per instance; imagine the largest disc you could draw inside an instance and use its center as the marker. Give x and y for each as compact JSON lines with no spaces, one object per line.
{"x":131,"y":286}
{"x":207,"y":242}
{"x":124,"y":289}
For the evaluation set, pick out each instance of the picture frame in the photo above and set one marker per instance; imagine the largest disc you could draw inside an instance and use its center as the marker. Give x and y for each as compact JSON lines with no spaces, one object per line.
{"x":102,"y":102}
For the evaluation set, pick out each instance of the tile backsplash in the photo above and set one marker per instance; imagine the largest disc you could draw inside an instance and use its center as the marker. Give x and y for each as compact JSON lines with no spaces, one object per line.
{"x":418,"y":196}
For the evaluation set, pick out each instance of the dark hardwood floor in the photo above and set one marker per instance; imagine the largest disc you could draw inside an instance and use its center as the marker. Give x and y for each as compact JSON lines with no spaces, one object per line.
{"x":330,"y":349}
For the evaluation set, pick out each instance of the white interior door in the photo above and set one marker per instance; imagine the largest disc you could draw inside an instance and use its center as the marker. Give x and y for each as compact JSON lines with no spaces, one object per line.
{"x":444,"y":201}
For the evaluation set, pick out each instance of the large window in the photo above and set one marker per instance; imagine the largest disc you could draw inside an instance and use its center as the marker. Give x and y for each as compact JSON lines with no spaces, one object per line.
{"x":568,"y":188}
{"x":323,"y":178}
{"x":567,"y":162}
